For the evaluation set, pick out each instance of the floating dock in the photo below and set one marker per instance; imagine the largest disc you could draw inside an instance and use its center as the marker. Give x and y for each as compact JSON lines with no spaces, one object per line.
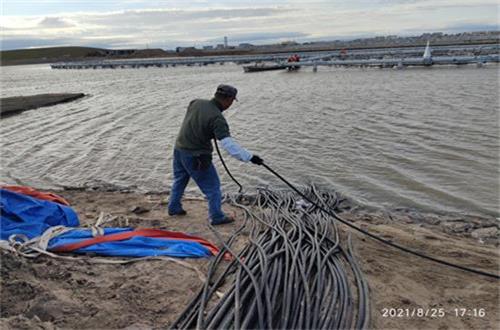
{"x":403,"y":62}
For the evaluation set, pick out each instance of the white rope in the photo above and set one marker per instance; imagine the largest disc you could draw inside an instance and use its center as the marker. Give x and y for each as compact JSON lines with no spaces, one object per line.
{"x":49,"y":234}
{"x":96,"y":228}
{"x":32,"y":248}
{"x":5,"y":245}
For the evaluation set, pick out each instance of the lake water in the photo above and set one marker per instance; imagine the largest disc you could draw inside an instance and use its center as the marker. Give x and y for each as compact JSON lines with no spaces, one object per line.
{"x":422,"y":138}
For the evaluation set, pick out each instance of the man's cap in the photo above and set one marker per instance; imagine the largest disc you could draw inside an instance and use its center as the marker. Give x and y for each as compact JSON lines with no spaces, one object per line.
{"x":226,"y":90}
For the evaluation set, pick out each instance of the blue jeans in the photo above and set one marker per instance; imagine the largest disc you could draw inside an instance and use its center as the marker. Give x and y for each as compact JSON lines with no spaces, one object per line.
{"x":184,"y":165}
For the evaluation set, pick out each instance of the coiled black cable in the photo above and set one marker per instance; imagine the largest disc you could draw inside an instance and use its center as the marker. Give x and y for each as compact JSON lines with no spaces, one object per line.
{"x":292,"y":263}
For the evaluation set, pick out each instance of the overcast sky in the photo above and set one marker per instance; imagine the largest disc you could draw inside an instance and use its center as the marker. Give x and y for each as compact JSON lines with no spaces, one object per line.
{"x":167,"y":24}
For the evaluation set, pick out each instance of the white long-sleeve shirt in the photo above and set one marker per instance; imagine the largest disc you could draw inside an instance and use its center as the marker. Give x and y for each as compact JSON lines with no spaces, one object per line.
{"x":235,"y":150}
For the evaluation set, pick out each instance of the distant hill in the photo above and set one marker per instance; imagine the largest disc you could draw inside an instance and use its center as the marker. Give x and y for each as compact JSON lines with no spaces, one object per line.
{"x":44,"y":55}
{"x":68,"y":54}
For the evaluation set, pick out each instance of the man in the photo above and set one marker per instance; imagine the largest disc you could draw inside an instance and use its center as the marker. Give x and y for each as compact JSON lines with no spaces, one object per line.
{"x":193,"y":152}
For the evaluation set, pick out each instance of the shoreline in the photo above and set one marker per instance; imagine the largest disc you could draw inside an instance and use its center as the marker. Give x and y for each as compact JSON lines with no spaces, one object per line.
{"x":485,"y":229}
{"x":49,"y":293}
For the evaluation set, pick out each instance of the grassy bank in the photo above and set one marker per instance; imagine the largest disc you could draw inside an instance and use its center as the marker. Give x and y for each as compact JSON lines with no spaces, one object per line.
{"x":45,"y":55}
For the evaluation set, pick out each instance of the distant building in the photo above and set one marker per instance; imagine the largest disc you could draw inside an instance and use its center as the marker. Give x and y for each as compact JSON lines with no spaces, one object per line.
{"x":245,"y":45}
{"x":220,"y":46}
{"x":225,"y":42}
{"x":185,"y":49}
{"x":119,"y":51}
{"x":208,"y":47}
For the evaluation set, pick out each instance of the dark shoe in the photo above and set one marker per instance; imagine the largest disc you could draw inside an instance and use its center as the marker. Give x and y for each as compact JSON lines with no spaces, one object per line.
{"x":181,"y":212}
{"x":223,"y":221}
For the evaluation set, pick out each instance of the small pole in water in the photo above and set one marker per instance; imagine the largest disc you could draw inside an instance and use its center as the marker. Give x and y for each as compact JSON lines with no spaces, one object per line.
{"x":315,"y":68}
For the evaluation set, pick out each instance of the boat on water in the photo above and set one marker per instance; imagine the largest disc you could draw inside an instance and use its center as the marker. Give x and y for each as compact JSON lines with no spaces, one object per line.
{"x":263,"y":67}
{"x":269,"y":67}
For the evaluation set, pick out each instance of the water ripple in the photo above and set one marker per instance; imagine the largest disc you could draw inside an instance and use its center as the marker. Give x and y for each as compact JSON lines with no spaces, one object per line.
{"x":421,"y":138}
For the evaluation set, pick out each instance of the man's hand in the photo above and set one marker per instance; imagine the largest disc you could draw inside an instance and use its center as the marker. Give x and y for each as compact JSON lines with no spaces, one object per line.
{"x":257,"y":160}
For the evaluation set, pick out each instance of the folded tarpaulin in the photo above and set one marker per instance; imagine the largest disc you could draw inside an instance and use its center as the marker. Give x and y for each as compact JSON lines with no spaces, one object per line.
{"x":29,"y":216}
{"x":127,"y":242}
{"x":22,"y":214}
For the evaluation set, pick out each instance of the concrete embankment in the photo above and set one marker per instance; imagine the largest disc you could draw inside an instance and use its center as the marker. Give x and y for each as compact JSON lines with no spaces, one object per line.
{"x":14,"y":105}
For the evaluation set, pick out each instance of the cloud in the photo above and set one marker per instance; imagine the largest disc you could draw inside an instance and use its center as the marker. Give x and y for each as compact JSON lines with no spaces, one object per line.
{"x":262,"y":37}
{"x":188,"y":23}
{"x":33,"y":42}
{"x":54,"y":22}
{"x":160,"y":17}
{"x":457,"y":28}
{"x":20,"y":43}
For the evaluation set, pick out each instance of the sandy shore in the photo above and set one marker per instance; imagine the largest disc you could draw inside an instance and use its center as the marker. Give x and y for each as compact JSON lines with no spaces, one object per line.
{"x":14,"y":105}
{"x":47,"y":293}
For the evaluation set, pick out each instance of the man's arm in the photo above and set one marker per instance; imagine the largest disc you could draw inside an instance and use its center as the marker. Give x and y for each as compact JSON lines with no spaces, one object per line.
{"x":221,"y":133}
{"x":235,"y":150}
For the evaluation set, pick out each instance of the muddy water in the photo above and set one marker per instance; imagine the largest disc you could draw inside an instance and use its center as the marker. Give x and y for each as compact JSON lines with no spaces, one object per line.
{"x":416,"y":138}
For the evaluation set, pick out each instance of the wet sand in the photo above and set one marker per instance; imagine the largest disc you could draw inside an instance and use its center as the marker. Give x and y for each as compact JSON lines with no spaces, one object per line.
{"x":47,"y":293}
{"x":14,"y":105}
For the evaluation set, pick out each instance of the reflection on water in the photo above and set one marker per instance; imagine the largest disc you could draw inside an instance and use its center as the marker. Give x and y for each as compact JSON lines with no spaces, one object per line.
{"x":420,"y":138}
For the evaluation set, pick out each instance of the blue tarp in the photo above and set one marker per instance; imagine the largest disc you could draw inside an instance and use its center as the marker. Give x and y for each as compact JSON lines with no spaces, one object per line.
{"x":138,"y":246}
{"x":22,"y":214}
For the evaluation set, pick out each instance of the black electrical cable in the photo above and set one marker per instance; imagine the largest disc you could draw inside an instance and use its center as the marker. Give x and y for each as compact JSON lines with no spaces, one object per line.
{"x":225,"y":167}
{"x":397,"y":246}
